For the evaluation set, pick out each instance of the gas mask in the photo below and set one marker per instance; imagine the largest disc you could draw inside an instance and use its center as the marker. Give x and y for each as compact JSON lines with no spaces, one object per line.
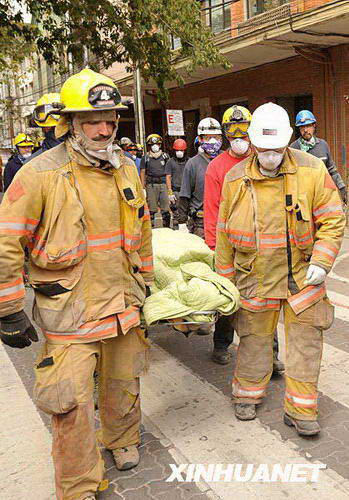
{"x":239,"y":146}
{"x":180,"y":154}
{"x":269,"y":161}
{"x":211,"y":147}
{"x":155,"y":148}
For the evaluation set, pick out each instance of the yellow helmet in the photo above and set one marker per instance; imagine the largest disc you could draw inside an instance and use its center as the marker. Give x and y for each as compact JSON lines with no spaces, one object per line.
{"x":236,"y":121}
{"x":43,"y":113}
{"x":154,"y":139}
{"x":89,"y":91}
{"x":23,"y":140}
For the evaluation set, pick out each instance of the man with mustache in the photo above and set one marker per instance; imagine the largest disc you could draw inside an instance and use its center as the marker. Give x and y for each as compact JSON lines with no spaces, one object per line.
{"x":81,"y":210}
{"x":308,"y":142}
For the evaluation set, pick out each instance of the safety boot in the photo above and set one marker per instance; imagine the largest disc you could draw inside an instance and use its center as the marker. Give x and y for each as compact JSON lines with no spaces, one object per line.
{"x":221,"y":356}
{"x":245,"y":411}
{"x":303,"y":427}
{"x":126,"y":458}
{"x":278,"y":366}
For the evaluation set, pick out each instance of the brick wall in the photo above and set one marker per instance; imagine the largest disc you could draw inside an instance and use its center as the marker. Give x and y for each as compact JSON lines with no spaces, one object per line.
{"x":295,"y":76}
{"x":238,"y":10}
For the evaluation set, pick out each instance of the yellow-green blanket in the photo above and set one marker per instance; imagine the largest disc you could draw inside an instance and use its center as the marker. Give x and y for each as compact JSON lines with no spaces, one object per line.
{"x":185,"y":282}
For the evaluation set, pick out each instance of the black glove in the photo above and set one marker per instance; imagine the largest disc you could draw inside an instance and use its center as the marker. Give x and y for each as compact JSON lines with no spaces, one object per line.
{"x":17,"y":330}
{"x":344,"y":195}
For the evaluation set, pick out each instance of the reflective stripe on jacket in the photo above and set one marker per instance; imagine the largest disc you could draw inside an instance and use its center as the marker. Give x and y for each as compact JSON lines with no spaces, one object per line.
{"x":89,"y":235}
{"x":271,"y":229}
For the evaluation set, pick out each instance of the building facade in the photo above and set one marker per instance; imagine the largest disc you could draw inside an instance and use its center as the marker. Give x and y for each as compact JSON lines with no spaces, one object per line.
{"x":293,"y":53}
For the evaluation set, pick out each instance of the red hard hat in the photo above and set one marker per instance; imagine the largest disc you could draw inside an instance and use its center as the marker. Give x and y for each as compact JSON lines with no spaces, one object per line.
{"x":179,"y":145}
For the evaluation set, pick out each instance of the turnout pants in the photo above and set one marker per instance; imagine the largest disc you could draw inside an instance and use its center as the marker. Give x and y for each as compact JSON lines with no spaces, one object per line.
{"x":304,"y":341}
{"x":64,"y":389}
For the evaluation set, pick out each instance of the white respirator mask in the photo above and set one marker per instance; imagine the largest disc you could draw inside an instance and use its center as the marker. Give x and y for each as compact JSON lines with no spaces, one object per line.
{"x":179,"y":154}
{"x":239,"y":146}
{"x":270,"y":160}
{"x":155,"y":148}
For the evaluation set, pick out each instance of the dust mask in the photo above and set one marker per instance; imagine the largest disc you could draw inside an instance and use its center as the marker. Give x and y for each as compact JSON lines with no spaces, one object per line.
{"x":239,"y":146}
{"x":155,"y":148}
{"x":270,"y":160}
{"x":179,"y":154}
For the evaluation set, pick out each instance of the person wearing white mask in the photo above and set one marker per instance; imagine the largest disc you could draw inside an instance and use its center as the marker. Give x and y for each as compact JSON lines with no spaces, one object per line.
{"x":153,"y":177}
{"x":191,"y":196}
{"x":235,"y":123}
{"x":174,"y":173}
{"x":280,"y":227}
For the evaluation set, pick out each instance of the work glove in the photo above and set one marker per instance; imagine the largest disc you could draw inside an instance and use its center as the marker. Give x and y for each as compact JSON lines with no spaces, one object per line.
{"x":182,"y":227}
{"x":315,"y":275}
{"x":344,"y":195}
{"x":172,"y":199}
{"x":17,"y":330}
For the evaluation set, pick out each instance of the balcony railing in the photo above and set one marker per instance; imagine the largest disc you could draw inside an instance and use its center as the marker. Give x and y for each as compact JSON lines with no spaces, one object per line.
{"x":255,"y":7}
{"x":266,"y":18}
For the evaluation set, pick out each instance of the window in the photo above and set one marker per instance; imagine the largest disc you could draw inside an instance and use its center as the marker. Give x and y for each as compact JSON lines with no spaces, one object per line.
{"x":217,"y":14}
{"x":259,"y":6}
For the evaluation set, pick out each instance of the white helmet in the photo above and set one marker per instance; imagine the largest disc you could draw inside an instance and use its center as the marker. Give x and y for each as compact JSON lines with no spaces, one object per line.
{"x":209,"y":126}
{"x":124,"y":141}
{"x":270,"y":127}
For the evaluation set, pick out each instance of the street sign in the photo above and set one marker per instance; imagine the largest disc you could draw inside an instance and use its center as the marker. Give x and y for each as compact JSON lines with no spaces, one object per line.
{"x":174,"y":118}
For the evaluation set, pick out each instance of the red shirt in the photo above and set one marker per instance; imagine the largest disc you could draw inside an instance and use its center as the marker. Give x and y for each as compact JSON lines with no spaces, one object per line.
{"x":215,"y":174}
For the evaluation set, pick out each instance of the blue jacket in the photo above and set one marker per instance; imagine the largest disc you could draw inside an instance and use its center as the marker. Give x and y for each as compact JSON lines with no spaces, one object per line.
{"x":14,"y":163}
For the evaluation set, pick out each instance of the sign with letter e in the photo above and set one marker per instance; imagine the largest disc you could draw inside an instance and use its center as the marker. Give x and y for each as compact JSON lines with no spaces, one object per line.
{"x":174,"y":118}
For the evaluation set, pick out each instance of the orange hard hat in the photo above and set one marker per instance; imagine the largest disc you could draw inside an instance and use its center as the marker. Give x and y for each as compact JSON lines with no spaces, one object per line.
{"x":179,"y":145}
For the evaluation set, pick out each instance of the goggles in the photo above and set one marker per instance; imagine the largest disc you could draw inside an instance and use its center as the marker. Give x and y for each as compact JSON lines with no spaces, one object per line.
{"x":154,"y":140}
{"x":236,"y":129}
{"x":104,"y":96}
{"x":41,"y":113}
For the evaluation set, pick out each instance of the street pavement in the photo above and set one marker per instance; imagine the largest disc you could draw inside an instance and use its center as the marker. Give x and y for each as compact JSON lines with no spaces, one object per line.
{"x":188,"y":418}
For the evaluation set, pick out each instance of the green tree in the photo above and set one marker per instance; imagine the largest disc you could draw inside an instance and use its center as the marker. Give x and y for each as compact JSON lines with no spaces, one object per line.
{"x":135,"y":32}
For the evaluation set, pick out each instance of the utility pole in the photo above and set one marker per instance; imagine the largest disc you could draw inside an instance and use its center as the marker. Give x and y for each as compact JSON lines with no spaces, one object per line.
{"x":9,"y":109}
{"x":138,"y":106}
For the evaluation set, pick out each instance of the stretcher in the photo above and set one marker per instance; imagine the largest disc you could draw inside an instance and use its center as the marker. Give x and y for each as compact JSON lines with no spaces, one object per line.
{"x":186,"y":327}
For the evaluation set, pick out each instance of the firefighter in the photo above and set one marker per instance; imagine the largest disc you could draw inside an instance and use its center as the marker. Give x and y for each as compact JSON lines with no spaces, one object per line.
{"x":24,"y":148}
{"x":235,"y":123}
{"x":153,"y":177}
{"x":308,"y":142}
{"x":280,"y":228}
{"x":174,"y":174}
{"x":191,"y":196}
{"x":44,"y":118}
{"x":80,"y":207}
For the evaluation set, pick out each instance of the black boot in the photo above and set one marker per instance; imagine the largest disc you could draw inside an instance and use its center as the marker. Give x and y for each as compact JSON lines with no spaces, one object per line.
{"x":303,"y":427}
{"x":221,"y":356}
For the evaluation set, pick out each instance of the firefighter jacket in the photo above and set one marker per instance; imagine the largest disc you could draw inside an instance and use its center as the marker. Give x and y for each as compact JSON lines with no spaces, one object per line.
{"x":270,"y":229}
{"x":89,"y":237}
